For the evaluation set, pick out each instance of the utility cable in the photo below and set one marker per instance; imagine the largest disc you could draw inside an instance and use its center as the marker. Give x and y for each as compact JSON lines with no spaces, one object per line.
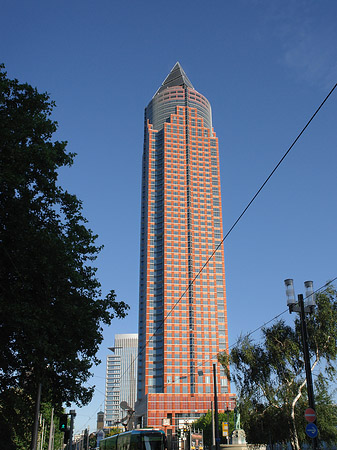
{"x":214,"y":356}
{"x":229,"y":231}
{"x":235,"y":223}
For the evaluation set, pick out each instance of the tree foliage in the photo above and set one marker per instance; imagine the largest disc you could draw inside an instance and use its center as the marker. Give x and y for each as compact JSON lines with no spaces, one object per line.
{"x":204,"y":423}
{"x":51,"y":306}
{"x":113,"y":431}
{"x":92,"y":441}
{"x":270,"y":377}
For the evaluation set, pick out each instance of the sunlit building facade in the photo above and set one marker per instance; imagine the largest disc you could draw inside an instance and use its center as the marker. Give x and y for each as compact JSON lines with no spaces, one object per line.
{"x":121,"y":377}
{"x":182,"y":312}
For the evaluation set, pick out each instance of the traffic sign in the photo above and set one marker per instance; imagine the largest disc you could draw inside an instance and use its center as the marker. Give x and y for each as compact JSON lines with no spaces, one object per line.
{"x":224,"y":429}
{"x":310,"y":415}
{"x":311,"y":430}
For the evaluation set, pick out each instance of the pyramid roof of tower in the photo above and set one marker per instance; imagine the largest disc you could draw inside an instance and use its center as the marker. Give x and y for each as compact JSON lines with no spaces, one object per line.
{"x":177,"y":77}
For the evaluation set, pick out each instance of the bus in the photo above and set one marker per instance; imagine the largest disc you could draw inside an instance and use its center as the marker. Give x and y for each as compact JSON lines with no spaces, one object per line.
{"x":146,"y":439}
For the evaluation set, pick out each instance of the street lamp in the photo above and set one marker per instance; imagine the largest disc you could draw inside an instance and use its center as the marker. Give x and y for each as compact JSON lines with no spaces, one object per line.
{"x":216,"y":416}
{"x":292,"y":304}
{"x":302,"y":308}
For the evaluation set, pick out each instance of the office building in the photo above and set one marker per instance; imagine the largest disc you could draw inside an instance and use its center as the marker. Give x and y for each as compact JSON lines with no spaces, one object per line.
{"x":182,"y":313}
{"x":121,"y":377}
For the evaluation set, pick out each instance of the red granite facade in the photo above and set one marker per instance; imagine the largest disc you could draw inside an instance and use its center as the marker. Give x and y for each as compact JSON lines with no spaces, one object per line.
{"x":182,"y":316}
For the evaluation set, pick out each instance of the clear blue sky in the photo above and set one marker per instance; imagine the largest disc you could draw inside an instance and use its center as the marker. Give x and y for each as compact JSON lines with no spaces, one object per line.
{"x":264,"y":65}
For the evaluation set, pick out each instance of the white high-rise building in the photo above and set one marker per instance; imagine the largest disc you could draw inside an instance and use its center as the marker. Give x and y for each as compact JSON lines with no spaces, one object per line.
{"x":121,"y":377}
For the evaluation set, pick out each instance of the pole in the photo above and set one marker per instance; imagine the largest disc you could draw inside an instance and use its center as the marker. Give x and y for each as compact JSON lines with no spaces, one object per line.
{"x":51,"y":430}
{"x":72,"y":416}
{"x":227,"y":410}
{"x":304,"y":333}
{"x":216,"y":416}
{"x":36,"y":421}
{"x":213,"y":427}
{"x":38,"y":445}
{"x":42,"y":435}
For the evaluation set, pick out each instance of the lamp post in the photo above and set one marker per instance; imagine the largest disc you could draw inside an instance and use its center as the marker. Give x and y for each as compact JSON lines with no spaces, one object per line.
{"x":227,"y":411}
{"x":303,"y":308}
{"x":72,"y":417}
{"x":216,"y":416}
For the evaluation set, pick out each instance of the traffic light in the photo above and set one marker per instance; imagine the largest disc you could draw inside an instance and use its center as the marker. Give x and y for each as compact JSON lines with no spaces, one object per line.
{"x":63,"y":422}
{"x":66,"y":436}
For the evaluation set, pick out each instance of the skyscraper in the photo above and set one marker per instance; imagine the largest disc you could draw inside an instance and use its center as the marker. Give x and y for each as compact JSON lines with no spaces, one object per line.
{"x":182,"y":319}
{"x":121,"y":376}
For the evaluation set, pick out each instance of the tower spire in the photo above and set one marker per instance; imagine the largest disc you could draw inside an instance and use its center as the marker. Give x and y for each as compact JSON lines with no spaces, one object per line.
{"x":177,"y":77}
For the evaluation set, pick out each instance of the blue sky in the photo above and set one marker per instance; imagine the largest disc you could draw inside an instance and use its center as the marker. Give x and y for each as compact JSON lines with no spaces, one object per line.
{"x":265,"y":66}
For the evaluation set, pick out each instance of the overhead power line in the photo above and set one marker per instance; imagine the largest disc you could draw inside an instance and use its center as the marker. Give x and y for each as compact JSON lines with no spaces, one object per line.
{"x":232,"y":228}
{"x":237,"y":220}
{"x":215,"y":355}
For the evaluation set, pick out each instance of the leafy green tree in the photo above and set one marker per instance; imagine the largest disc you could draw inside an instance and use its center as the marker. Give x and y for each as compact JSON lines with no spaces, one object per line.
{"x":113,"y":431}
{"x":270,"y":377}
{"x":92,"y":441}
{"x":204,"y":423}
{"x":51,"y":308}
